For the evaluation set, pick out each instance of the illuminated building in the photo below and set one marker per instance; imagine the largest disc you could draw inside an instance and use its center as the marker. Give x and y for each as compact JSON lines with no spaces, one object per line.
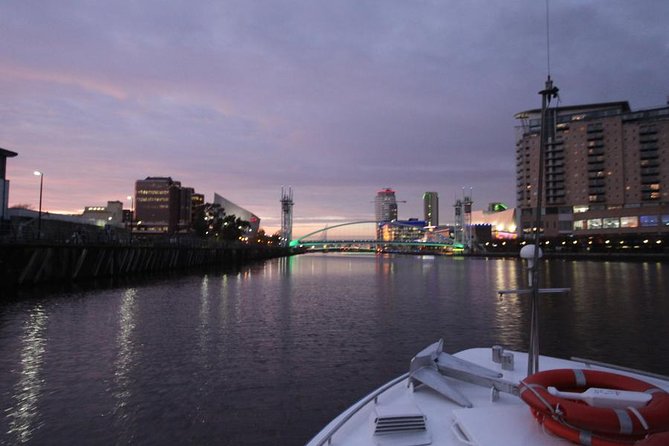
{"x":231,"y":208}
{"x":162,"y":206}
{"x":385,"y":205}
{"x":411,"y":230}
{"x":196,"y":202}
{"x":431,"y":208}
{"x":606,"y":170}
{"x":102,"y":216}
{"x":502,"y":221}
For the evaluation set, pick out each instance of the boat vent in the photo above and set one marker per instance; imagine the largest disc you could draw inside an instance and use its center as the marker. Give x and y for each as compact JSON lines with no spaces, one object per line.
{"x":395,"y":425}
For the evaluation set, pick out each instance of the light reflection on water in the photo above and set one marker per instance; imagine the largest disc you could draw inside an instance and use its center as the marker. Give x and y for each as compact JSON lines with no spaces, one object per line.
{"x":270,"y":353}
{"x":24,"y":415}
{"x":124,"y":365}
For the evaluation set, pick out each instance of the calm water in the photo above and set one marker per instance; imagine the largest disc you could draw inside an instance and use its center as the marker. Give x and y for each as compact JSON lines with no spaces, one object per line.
{"x":269,"y":354}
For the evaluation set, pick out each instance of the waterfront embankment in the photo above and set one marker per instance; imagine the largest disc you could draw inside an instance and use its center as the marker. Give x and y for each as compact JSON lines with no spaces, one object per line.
{"x":26,"y":264}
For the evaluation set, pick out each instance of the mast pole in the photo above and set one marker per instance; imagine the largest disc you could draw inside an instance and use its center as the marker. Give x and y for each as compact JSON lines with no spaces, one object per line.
{"x":547,"y":94}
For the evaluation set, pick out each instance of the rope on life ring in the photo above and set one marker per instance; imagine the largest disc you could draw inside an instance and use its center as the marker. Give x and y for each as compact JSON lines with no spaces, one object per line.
{"x":585,"y":424}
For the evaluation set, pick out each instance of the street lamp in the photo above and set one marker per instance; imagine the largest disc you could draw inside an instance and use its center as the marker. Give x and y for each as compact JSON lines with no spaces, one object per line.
{"x":39,"y":215}
{"x":132,"y":211}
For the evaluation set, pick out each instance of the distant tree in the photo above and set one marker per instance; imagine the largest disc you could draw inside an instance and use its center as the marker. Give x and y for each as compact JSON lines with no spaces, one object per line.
{"x":208,"y":220}
{"x":22,"y":206}
{"x":262,"y":238}
{"x":233,"y":228}
{"x":275,"y":239}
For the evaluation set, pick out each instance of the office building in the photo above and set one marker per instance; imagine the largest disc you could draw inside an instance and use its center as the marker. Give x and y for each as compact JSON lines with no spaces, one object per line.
{"x":431,"y":208}
{"x":606,"y":171}
{"x":385,"y":205}
{"x":196,"y":203}
{"x":412,"y":230}
{"x":162,"y":206}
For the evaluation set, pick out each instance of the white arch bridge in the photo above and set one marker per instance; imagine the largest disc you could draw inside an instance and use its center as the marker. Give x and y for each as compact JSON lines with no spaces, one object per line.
{"x":385,"y":236}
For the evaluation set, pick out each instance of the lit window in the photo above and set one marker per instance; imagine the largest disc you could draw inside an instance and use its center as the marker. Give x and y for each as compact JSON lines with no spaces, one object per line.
{"x":595,"y":223}
{"x":629,"y":222}
{"x":611,"y":222}
{"x":649,"y":220}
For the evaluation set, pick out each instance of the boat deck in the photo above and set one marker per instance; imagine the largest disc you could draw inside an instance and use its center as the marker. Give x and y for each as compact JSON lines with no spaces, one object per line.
{"x":507,"y":421}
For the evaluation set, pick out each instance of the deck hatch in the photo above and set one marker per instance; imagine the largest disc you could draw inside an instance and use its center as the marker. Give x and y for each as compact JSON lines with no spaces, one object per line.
{"x":393,"y":425}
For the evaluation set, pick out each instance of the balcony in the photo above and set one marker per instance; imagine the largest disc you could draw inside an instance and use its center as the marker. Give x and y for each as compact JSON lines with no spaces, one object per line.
{"x":648,"y":147}
{"x":596,"y":190}
{"x":650,"y":179}
{"x":597,"y":151}
{"x":647,"y":131}
{"x":649,"y":155}
{"x":652,"y":196}
{"x":650,"y":171}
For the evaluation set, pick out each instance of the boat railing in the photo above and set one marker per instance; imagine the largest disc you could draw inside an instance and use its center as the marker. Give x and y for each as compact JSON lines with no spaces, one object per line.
{"x":590,"y":362}
{"x":327,"y":438}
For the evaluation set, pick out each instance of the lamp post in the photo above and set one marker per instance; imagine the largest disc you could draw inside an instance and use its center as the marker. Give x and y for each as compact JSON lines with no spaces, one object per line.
{"x":39,"y":214}
{"x":132,"y":211}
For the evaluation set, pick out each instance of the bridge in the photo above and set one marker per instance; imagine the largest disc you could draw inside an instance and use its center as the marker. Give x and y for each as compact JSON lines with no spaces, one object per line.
{"x":378,"y":237}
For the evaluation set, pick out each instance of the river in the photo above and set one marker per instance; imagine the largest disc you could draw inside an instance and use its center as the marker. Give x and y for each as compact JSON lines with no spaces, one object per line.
{"x":269,"y":353}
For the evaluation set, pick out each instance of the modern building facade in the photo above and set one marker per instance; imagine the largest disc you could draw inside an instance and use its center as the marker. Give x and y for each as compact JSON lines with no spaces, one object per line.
{"x":102,"y":216}
{"x":4,"y":183}
{"x":385,"y":205}
{"x":411,"y":230}
{"x":606,"y":171}
{"x":231,"y":208}
{"x":162,"y":206}
{"x":431,"y":208}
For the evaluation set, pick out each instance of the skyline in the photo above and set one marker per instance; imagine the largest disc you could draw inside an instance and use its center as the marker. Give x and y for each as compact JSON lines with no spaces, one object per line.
{"x":337,"y":100}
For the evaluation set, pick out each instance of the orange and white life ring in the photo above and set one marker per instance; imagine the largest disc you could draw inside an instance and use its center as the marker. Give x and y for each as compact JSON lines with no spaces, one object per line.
{"x":571,"y":419}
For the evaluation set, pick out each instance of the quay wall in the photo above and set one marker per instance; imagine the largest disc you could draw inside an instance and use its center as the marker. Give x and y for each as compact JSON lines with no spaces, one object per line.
{"x":26,"y":264}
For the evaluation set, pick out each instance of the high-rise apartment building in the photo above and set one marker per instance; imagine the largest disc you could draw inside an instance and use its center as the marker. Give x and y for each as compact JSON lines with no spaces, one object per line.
{"x":162,"y":206}
{"x":385,"y":205}
{"x":606,"y":170}
{"x":431,"y":208}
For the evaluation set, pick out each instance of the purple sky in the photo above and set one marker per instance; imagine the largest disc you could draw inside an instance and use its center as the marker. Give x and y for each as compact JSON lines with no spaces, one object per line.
{"x":336,"y":98}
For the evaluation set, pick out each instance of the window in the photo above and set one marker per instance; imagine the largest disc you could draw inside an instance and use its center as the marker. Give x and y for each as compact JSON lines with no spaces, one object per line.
{"x":579,"y":225}
{"x":629,"y":222}
{"x":649,"y":220}
{"x":564,"y":226}
{"x":611,"y":223}
{"x":665,"y":220}
{"x":595,"y":223}
{"x":579,"y":209}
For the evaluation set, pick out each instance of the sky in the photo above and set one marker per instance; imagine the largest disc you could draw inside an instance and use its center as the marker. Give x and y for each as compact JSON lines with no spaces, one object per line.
{"x":335,"y":98}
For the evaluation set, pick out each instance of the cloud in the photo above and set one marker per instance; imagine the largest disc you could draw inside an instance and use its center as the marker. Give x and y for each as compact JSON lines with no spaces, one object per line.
{"x":337,"y":99}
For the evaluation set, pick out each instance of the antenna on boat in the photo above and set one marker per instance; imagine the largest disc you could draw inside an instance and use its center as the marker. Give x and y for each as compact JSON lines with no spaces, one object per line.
{"x":546,"y":137}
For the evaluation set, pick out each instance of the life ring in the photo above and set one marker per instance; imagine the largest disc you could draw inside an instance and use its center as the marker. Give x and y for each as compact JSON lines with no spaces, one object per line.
{"x":627,"y":423}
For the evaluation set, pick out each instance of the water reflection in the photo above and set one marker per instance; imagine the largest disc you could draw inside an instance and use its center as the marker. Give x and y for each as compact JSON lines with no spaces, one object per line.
{"x":125,"y":359}
{"x":25,"y":414}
